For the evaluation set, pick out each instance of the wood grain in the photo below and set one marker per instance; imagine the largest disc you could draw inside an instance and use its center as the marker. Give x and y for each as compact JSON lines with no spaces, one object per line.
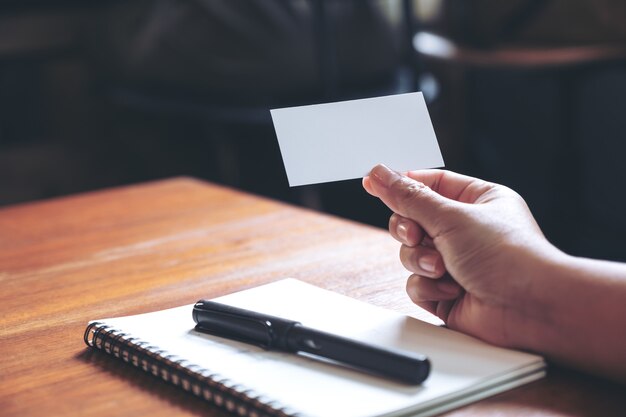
{"x":140,"y":248}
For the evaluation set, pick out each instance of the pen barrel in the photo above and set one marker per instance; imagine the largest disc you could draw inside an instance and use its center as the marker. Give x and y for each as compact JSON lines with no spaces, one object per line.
{"x":404,"y":366}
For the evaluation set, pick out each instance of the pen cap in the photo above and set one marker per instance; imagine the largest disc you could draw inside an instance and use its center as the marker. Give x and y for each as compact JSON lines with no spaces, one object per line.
{"x":246,"y":326}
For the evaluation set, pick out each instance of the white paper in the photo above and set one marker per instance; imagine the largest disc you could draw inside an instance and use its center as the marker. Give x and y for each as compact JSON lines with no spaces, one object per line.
{"x":345,"y":140}
{"x":464,"y":369}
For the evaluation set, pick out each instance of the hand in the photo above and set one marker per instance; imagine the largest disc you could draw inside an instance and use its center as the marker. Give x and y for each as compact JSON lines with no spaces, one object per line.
{"x":480,"y":262}
{"x":473,"y":248}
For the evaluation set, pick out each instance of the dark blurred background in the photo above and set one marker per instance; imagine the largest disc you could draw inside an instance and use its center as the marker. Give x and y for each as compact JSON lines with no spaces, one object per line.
{"x":528,"y":93}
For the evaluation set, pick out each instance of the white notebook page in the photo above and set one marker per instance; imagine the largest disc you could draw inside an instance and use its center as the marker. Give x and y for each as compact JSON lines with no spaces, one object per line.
{"x":463,"y":369}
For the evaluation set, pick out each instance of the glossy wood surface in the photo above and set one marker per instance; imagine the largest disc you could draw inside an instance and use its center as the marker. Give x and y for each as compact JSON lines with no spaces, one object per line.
{"x":140,"y":248}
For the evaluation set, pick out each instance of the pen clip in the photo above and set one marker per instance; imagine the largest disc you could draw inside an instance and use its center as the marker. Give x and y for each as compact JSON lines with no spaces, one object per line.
{"x":216,"y":319}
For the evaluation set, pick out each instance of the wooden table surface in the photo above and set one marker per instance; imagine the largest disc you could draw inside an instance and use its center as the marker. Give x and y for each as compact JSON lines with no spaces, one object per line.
{"x":146,"y":247}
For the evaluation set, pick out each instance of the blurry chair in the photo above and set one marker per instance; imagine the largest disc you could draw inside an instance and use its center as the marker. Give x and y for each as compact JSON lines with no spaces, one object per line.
{"x":547,"y":172}
{"x":442,"y":55}
{"x":222,"y":116}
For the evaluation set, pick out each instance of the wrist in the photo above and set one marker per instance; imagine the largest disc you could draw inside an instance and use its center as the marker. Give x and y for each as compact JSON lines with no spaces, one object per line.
{"x":579,"y":314}
{"x":536,"y":315}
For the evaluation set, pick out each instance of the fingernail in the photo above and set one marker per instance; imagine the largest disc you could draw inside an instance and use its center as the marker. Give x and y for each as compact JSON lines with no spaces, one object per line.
{"x":384,"y":175}
{"x":403,"y":231}
{"x":428,"y":263}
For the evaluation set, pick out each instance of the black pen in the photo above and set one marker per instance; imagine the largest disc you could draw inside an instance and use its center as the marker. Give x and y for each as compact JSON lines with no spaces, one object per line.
{"x":276,"y":333}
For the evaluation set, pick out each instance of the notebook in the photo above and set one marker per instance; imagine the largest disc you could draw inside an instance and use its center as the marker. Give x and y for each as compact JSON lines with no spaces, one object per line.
{"x":250,"y":381}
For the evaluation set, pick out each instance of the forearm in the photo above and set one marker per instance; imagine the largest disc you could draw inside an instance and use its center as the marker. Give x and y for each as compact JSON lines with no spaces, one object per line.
{"x":578,"y":314}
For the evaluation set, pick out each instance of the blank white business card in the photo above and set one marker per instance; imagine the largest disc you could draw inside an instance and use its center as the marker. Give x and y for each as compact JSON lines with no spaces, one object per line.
{"x":345,"y":140}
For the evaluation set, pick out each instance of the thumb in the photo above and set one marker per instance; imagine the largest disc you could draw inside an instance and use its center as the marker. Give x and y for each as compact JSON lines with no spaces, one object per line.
{"x":410,"y":198}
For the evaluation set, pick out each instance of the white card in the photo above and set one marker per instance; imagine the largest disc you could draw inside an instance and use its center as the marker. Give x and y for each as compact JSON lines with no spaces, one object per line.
{"x":345,"y":140}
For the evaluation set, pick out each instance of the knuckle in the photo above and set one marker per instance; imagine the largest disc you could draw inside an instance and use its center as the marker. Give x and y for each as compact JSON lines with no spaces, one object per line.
{"x":407,"y":191}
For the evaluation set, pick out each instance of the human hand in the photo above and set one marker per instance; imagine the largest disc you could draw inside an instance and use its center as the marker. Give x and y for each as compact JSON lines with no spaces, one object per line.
{"x":473,"y":248}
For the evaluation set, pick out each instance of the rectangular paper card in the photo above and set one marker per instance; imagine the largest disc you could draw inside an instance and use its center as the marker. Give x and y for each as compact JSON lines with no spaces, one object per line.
{"x":345,"y":140}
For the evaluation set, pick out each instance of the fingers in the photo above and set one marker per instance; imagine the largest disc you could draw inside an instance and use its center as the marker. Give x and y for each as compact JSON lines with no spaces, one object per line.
{"x":418,"y":254}
{"x":405,"y":231}
{"x":422,"y":289}
{"x":437,"y":296}
{"x":409,"y":198}
{"x":422,"y":260}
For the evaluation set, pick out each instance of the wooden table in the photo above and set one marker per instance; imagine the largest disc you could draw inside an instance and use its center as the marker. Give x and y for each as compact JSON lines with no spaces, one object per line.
{"x":124,"y":251}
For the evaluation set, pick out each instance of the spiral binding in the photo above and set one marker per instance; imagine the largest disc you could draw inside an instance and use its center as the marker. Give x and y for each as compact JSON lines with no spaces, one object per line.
{"x":201,"y":382}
